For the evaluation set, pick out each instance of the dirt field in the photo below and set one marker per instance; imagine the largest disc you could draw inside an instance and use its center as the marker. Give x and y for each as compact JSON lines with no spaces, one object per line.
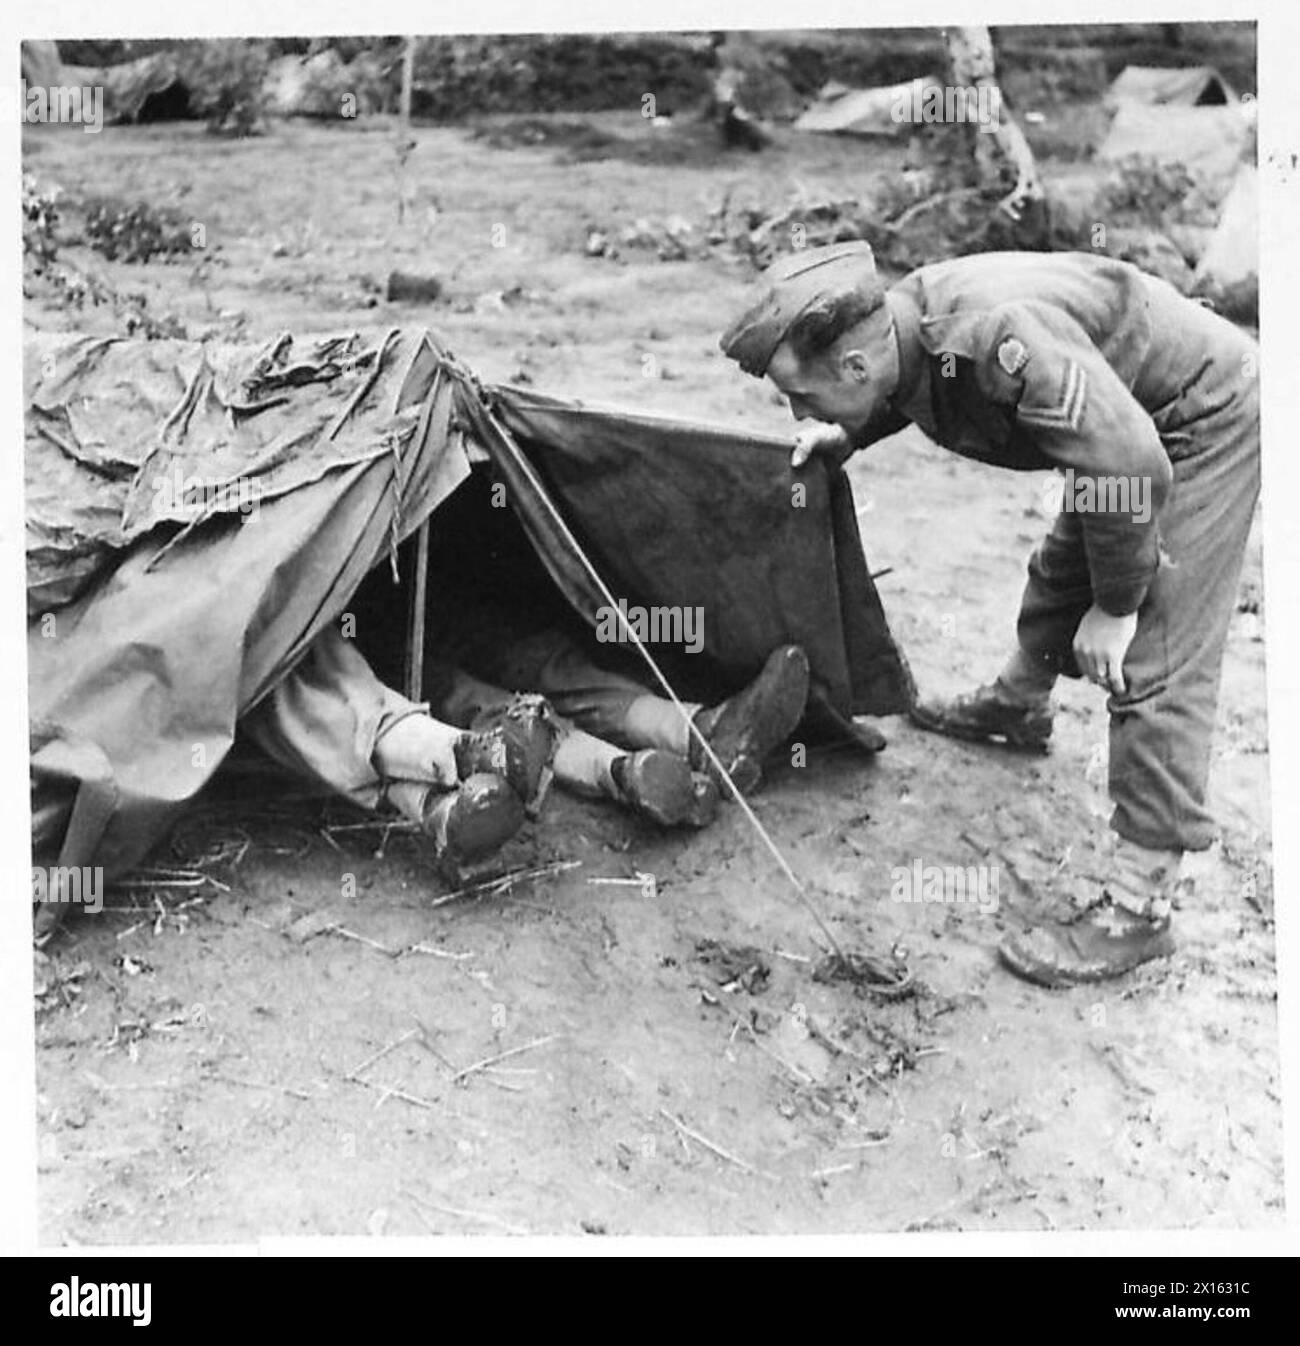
{"x":198,"y":1066}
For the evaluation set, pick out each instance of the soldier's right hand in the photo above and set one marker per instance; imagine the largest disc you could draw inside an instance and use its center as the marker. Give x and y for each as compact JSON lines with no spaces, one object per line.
{"x":820,"y":438}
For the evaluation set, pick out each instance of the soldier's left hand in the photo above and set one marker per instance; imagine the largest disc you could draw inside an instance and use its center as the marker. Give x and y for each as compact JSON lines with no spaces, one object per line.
{"x":820,"y":438}
{"x":1100,"y":644}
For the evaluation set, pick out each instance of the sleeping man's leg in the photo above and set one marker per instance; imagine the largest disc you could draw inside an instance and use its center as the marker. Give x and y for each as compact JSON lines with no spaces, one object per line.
{"x":657,"y":784}
{"x":332,"y":719}
{"x":741,"y":730}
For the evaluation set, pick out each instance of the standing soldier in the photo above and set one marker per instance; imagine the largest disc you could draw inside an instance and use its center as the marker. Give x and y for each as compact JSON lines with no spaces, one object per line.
{"x":1149,"y":402}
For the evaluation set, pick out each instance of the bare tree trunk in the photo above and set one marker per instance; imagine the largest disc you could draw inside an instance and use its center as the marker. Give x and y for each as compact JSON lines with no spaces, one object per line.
{"x":408,"y":77}
{"x":1002,"y":150}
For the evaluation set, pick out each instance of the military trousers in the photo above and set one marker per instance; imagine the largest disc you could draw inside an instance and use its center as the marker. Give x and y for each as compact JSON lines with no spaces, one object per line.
{"x":325,"y":718}
{"x":1161,"y":727}
{"x":485,"y":650}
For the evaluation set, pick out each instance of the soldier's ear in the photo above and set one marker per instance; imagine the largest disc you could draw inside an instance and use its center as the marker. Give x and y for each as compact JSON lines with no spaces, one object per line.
{"x":855,"y":366}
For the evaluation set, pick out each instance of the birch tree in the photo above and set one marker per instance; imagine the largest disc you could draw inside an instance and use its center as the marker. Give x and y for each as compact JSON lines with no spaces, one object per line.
{"x":1001,"y":154}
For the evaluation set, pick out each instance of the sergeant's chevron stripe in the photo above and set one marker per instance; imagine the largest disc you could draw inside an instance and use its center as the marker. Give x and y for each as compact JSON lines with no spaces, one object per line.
{"x":1067,"y":411}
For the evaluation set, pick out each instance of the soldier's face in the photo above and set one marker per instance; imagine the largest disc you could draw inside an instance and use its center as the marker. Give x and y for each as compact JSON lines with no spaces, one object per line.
{"x":848,"y":387}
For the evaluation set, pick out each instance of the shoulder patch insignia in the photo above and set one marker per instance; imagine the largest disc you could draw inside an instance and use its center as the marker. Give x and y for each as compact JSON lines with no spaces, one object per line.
{"x":1012,"y":355}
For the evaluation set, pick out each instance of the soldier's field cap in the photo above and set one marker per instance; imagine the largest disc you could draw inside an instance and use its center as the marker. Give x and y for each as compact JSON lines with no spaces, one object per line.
{"x":797,"y":284}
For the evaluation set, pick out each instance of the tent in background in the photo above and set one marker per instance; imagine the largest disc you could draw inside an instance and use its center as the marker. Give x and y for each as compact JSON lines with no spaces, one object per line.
{"x":1228,"y":271}
{"x":1186,"y":86}
{"x":862,"y":112}
{"x":1210,"y":141}
{"x":162,"y":608}
{"x":151,"y":88}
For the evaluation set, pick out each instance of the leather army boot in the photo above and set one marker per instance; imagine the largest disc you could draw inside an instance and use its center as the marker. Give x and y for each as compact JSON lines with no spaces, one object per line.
{"x":988,"y":715}
{"x":661,"y":786}
{"x":516,"y":742}
{"x":1123,"y":923}
{"x":746,"y":727}
{"x":472,"y":821}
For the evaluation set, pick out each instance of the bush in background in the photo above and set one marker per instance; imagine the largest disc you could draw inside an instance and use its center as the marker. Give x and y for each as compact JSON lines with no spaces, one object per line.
{"x":226,"y":79}
{"x":134,"y":231}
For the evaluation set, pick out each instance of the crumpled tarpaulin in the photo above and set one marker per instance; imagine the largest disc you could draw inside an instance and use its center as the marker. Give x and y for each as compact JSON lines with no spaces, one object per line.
{"x":139,"y":90}
{"x":198,"y":515}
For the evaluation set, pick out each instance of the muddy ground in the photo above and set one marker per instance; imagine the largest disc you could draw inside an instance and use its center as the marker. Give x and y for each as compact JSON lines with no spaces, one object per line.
{"x":203,"y":1063}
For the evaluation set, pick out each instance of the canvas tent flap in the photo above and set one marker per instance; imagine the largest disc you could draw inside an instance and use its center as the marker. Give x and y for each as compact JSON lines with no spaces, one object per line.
{"x":1186,"y":86}
{"x":177,"y":630}
{"x":673,"y":512}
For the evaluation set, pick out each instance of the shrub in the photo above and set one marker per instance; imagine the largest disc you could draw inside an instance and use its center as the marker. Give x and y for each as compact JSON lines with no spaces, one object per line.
{"x":134,"y":231}
{"x":227,"y":79}
{"x":1150,"y":189}
{"x":40,"y":215}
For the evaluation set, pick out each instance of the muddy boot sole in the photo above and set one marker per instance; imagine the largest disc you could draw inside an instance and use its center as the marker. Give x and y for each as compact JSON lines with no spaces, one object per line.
{"x":658,"y":785}
{"x":474,"y":820}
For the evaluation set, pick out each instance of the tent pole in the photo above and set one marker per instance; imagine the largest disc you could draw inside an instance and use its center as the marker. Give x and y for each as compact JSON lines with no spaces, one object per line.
{"x":416,"y":616}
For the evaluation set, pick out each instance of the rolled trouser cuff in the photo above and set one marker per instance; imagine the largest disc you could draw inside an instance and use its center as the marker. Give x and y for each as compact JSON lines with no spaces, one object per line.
{"x":1184,"y":834}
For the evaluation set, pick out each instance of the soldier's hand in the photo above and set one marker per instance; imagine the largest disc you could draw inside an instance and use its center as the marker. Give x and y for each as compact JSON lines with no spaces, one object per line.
{"x":820,"y":438}
{"x":1100,"y":644}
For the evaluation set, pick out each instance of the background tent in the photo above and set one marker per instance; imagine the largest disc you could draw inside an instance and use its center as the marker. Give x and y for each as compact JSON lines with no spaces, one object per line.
{"x":162,"y":608}
{"x":151,"y":88}
{"x":862,"y":112}
{"x":1228,"y":271}
{"x":1187,"y":86}
{"x":1210,"y":141}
